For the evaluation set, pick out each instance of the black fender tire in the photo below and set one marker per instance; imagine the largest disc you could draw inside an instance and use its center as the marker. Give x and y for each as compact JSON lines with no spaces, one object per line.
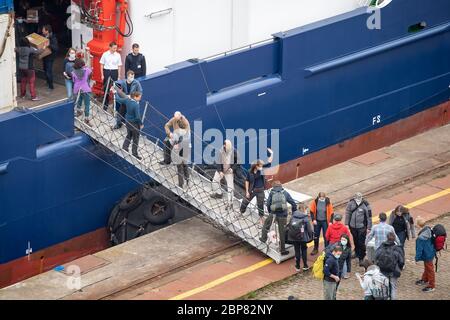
{"x":158,"y":210}
{"x":131,"y":201}
{"x":113,"y":217}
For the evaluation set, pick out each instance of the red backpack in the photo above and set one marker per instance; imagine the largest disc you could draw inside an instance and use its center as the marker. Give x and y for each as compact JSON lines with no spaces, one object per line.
{"x":439,"y":237}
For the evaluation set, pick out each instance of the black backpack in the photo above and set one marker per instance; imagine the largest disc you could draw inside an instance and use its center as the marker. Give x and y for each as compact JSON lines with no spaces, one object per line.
{"x":385,"y":259}
{"x":298,"y":230}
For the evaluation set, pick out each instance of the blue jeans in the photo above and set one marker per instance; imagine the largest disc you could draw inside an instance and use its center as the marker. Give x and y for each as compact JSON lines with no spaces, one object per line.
{"x":86,"y":98}
{"x":69,"y":89}
{"x":321,"y":225}
{"x":402,"y":236}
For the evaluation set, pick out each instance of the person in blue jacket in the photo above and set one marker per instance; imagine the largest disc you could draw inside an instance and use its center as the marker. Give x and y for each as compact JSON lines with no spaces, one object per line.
{"x":127,"y":86}
{"x":133,"y":119}
{"x":426,"y":252}
{"x":331,"y":273}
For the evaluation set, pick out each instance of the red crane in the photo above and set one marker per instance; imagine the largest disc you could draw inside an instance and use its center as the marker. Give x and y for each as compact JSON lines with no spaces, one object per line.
{"x":108,"y":19}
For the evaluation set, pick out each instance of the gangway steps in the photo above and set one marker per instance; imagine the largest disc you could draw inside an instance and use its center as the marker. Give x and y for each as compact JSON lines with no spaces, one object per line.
{"x":245,"y":226}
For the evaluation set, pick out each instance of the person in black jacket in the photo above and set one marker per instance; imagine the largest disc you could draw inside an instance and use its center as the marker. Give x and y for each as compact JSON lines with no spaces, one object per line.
{"x":255,"y":186}
{"x":391,"y":259}
{"x":135,"y":62}
{"x":331,"y":273}
{"x":345,"y":260}
{"x":50,"y":59}
{"x":300,"y":233}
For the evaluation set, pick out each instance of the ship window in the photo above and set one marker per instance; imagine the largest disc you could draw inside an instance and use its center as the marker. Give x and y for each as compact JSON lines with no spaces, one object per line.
{"x":417,"y":27}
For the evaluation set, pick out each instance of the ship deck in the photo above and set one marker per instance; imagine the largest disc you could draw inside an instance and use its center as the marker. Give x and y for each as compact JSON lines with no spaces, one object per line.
{"x":189,"y":243}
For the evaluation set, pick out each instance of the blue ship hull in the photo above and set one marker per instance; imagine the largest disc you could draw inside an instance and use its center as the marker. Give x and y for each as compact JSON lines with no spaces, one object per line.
{"x":320,"y":85}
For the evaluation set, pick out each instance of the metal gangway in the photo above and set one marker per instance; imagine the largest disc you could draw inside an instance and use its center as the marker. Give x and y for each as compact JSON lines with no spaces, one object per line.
{"x":244,"y":226}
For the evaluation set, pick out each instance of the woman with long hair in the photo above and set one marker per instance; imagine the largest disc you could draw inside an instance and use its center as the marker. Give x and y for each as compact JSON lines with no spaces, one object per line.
{"x":69,"y":62}
{"x":81,"y":76}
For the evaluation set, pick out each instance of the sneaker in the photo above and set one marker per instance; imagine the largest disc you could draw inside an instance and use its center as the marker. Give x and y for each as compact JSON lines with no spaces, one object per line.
{"x":284,"y":253}
{"x":79,"y":113}
{"x":347,"y":276}
{"x":421,"y":282}
{"x":306,"y":268}
{"x":428,"y":289}
{"x":261,"y":239}
{"x":314,"y":252}
{"x":163,"y":163}
{"x":297,"y":269}
{"x":34,"y":99}
{"x":116,"y":127}
{"x":216,"y":196}
{"x":137,"y":157}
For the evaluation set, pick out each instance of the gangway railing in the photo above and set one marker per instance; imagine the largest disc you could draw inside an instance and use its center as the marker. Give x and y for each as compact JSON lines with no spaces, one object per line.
{"x":198,"y":193}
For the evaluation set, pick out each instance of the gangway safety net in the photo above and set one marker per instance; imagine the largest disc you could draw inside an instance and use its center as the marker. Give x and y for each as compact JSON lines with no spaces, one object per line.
{"x":197,"y":193}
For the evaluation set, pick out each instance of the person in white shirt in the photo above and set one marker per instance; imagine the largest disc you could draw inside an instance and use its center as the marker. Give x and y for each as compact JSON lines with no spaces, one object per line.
{"x":110,"y":65}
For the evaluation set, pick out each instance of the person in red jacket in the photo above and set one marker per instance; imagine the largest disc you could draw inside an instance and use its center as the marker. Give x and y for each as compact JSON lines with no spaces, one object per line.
{"x":336,"y":230}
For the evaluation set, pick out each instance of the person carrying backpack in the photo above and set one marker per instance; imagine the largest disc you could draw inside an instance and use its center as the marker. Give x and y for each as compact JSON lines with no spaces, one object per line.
{"x":425,"y":251}
{"x":300,"y":233}
{"x":390,"y":258}
{"x":331,"y":273}
{"x":374,"y":283}
{"x":358,"y":217}
{"x":278,"y":211}
{"x":336,"y":230}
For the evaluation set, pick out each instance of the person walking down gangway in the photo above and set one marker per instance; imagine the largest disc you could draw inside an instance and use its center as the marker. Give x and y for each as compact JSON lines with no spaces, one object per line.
{"x":128,"y":85}
{"x":278,"y":212}
{"x":81,"y":76}
{"x":173,"y":125}
{"x":133,"y":119}
{"x":255,"y":183}
{"x":227,"y":161}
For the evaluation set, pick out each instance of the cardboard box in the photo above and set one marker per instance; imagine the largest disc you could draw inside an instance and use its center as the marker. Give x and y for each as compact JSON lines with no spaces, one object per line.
{"x":45,"y":53}
{"x":37,"y":41}
{"x":33,"y":15}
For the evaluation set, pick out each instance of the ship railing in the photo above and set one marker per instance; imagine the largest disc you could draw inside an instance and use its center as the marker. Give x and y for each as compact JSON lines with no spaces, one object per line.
{"x":197,"y":193}
{"x":246,"y":47}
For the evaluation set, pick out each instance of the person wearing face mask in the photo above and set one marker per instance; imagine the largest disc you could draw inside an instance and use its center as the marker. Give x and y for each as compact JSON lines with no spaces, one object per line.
{"x":345,"y":260}
{"x":403,"y":224}
{"x":69,"y":62}
{"x":300,"y":233}
{"x":128,"y":85}
{"x":227,"y":161}
{"x":255,"y":185}
{"x":321,"y":210}
{"x":358,"y":217}
{"x":331,"y":273}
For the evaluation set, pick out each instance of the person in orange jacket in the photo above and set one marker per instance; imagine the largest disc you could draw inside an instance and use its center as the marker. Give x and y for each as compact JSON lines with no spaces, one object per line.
{"x":321,"y":210}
